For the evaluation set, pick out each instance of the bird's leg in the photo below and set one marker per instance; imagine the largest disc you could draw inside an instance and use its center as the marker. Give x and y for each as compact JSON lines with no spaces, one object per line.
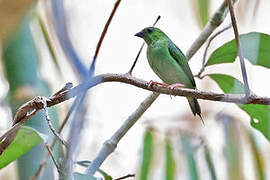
{"x":151,"y":83}
{"x":173,"y":86}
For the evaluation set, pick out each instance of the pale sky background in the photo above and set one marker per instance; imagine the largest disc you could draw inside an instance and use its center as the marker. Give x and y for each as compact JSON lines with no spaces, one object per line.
{"x":111,"y":103}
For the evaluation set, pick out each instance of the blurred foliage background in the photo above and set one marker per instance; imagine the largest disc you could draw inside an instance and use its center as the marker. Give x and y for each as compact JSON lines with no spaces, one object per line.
{"x":168,"y":142}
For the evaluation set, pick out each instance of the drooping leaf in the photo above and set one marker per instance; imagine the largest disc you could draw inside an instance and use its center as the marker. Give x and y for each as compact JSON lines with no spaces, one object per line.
{"x":26,"y":138}
{"x":255,"y":47}
{"x":204,"y":11}
{"x":201,"y":10}
{"x":148,"y":150}
{"x":259,"y":114}
{"x":170,"y":162}
{"x":191,"y":163}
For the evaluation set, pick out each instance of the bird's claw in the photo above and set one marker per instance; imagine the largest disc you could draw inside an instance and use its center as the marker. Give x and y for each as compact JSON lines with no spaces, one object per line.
{"x":151,"y":83}
{"x":173,"y":86}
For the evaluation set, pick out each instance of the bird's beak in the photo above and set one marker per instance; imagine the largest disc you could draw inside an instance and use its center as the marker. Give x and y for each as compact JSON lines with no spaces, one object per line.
{"x":139,"y":34}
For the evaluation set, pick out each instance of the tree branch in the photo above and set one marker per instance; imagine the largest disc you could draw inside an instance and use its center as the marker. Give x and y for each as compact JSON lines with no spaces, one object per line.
{"x":110,"y":145}
{"x":207,"y":47}
{"x":128,"y":79}
{"x":216,"y":19}
{"x":35,"y":105}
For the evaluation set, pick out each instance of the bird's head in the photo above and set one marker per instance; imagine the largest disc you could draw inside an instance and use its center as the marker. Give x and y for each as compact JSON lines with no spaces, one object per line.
{"x":151,"y":34}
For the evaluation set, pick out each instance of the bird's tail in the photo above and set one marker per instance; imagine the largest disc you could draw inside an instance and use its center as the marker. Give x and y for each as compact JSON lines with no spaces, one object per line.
{"x":7,"y":141}
{"x":195,"y":107}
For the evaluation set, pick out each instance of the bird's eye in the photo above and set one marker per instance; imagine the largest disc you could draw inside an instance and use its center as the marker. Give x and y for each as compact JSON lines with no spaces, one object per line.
{"x":150,"y":30}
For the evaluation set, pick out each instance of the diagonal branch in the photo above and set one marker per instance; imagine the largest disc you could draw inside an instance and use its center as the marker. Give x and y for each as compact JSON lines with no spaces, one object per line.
{"x":240,"y":52}
{"x":199,"y":75}
{"x":105,"y":29}
{"x":216,"y":19}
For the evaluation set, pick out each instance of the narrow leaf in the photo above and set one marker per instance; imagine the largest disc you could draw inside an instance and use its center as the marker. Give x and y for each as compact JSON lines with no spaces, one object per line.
{"x":201,"y":10}
{"x":232,"y":149}
{"x":170,"y":162}
{"x":148,"y":150}
{"x":188,"y":151}
{"x":209,"y":162}
{"x":259,"y":114}
{"x":45,"y":34}
{"x":103,"y":173}
{"x":257,"y":158}
{"x":26,"y":138}
{"x":255,"y":47}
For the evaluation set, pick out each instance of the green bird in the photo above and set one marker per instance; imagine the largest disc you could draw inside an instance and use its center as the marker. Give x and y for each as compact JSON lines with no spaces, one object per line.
{"x":169,"y":63}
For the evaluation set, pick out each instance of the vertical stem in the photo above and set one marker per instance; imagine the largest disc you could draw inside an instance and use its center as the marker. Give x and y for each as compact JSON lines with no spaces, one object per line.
{"x":240,"y":52}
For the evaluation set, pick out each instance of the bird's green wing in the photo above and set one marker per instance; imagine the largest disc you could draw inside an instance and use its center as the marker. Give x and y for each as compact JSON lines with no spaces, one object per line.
{"x":180,"y":58}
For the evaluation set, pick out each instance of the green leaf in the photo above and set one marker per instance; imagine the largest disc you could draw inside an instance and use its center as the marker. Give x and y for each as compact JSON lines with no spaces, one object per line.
{"x":170,"y":163}
{"x":201,"y":10}
{"x":232,"y":149}
{"x":79,"y":176}
{"x":257,"y":157}
{"x":148,"y":150}
{"x":255,"y":47}
{"x":188,"y":151}
{"x":209,"y":163}
{"x":48,"y":42}
{"x":21,"y":66}
{"x":26,"y":138}
{"x":259,"y":114}
{"x":103,"y":173}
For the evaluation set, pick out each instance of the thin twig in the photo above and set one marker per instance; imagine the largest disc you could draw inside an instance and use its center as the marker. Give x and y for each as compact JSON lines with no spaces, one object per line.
{"x":104,"y":33}
{"x":50,"y":123}
{"x":39,"y":170}
{"x":136,"y":59}
{"x":125,"y":177}
{"x":207,"y":47}
{"x":140,"y":50}
{"x":240,"y":52}
{"x":52,"y":156}
{"x":45,"y":159}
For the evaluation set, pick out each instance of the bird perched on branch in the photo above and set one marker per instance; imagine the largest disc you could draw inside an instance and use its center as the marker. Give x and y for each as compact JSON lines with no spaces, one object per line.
{"x":169,"y":63}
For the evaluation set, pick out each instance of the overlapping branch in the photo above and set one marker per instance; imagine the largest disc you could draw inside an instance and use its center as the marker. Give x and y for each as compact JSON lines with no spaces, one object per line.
{"x":128,"y":79}
{"x":131,"y":80}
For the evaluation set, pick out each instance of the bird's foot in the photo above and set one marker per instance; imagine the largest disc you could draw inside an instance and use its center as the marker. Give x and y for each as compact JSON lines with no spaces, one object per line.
{"x":173,"y":86}
{"x":151,"y":83}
